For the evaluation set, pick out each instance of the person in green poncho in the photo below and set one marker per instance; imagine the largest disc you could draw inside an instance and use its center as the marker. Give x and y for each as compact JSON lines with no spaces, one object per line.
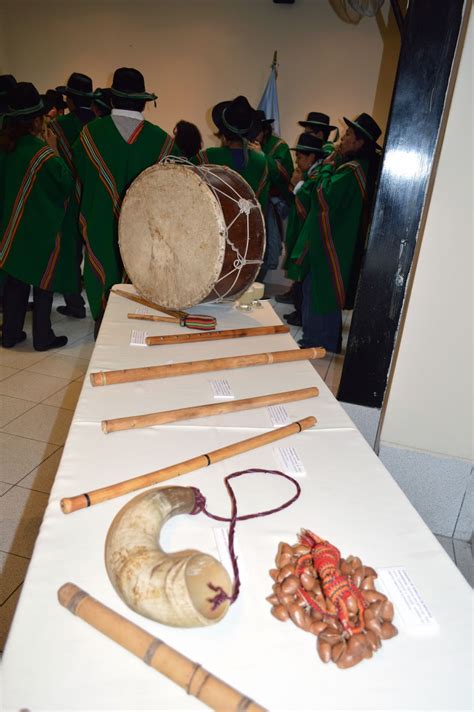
{"x":331,"y":230}
{"x":309,"y":153}
{"x":317,"y":125}
{"x":78,"y":93}
{"x":108,"y":155}
{"x":237,"y":125}
{"x":35,"y":186}
{"x":280,"y":170}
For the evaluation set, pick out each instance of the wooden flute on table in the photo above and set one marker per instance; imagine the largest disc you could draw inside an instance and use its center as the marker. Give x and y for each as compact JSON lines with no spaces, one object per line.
{"x":203,"y":322}
{"x":147,"y":420}
{"x":190,"y":676}
{"x":207,"y":335}
{"x":72,"y":504}
{"x":128,"y":375}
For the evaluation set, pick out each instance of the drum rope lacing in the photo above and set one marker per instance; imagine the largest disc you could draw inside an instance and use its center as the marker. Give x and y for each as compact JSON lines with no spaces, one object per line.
{"x":245,"y":207}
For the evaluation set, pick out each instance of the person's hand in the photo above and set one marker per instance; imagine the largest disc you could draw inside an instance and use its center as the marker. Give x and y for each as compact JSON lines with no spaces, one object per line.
{"x":255,"y":146}
{"x":51,"y":139}
{"x":297,"y":176}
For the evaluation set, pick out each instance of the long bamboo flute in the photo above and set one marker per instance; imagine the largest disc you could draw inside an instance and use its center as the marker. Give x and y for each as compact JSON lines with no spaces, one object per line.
{"x":190,"y":676}
{"x":127,"y":375}
{"x":152,"y":317}
{"x":214,"y":335}
{"x":81,"y":501}
{"x":131,"y":422}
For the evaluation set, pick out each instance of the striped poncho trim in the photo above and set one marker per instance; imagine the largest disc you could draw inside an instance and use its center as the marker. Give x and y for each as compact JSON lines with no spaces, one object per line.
{"x":36,"y":163}
{"x":102,"y":169}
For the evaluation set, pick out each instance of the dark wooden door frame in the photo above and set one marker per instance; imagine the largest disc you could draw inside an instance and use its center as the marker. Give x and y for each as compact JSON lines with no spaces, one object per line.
{"x":423,"y":85}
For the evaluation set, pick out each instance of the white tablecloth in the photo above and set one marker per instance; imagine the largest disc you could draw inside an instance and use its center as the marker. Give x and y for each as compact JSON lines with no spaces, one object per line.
{"x":55,"y":661}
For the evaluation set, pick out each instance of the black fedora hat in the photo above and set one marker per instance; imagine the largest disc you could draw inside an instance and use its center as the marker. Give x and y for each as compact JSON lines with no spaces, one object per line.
{"x":261,"y":116}
{"x":128,"y":83}
{"x":54,"y":99}
{"x":102,"y":97}
{"x":77,"y":85}
{"x":366,"y":125}
{"x":317,"y":119}
{"x":236,"y":117}
{"x":307,"y":143}
{"x":7,"y":83}
{"x":25,"y":101}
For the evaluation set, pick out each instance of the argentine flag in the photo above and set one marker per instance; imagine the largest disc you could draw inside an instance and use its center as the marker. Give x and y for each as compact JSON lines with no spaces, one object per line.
{"x":269,"y":101}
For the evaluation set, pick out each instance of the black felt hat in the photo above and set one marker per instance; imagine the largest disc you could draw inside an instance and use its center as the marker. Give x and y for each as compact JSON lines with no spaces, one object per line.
{"x":77,"y":85}
{"x":7,"y":83}
{"x":261,"y":116}
{"x":237,"y":118}
{"x":366,"y":125}
{"x":128,"y":83}
{"x":307,"y":143}
{"x":54,"y":99}
{"x":102,"y":97}
{"x":316,"y":119}
{"x":25,"y":101}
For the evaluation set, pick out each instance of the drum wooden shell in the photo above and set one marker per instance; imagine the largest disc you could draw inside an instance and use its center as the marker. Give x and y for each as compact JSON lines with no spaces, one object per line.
{"x":181,"y":235}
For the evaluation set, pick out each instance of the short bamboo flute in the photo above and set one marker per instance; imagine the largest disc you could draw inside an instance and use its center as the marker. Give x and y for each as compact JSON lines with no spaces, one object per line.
{"x":152,"y":317}
{"x":127,"y":375}
{"x":200,"y":411}
{"x":72,"y":504}
{"x":190,"y":676}
{"x":212,"y":335}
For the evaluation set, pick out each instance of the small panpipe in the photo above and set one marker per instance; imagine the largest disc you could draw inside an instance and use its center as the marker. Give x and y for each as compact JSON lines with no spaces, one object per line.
{"x":210,"y":335}
{"x":128,"y":375}
{"x":81,"y":501}
{"x":200,"y":411}
{"x":190,"y":676}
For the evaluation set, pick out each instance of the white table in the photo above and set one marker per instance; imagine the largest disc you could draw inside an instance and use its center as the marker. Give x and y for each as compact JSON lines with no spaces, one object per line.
{"x":55,"y":661}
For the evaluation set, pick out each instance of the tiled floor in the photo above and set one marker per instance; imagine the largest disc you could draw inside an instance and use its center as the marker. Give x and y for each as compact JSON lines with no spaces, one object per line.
{"x":38,"y":395}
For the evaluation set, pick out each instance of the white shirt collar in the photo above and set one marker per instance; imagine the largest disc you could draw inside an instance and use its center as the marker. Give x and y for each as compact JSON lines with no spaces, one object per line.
{"x":127,"y":112}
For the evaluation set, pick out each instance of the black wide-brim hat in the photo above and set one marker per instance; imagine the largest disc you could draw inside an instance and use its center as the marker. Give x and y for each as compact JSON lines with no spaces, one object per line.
{"x":128,"y":83}
{"x":237,"y":117}
{"x":307,"y":143}
{"x":77,"y":85}
{"x":317,"y":119}
{"x":7,"y":83}
{"x":261,"y":116}
{"x":366,"y":125}
{"x":54,"y":99}
{"x":26,"y":102}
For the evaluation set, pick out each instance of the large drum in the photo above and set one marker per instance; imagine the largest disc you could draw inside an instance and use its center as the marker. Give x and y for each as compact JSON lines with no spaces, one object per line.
{"x":191,"y":234}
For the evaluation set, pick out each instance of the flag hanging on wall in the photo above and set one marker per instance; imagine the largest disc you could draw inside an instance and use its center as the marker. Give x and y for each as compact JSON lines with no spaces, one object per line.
{"x":269,"y":101}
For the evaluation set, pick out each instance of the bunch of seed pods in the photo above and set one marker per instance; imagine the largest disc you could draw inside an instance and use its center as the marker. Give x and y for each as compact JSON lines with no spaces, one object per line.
{"x":333,"y":641}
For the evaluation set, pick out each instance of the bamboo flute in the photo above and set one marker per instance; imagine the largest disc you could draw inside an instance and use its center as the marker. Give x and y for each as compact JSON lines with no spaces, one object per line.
{"x":81,"y":501}
{"x":152,"y":317}
{"x":146,"y":303}
{"x":212,"y":335}
{"x":127,"y":375}
{"x":200,"y":411}
{"x":190,"y":676}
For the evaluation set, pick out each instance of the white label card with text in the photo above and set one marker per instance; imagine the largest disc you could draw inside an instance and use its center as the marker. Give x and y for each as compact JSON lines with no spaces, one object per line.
{"x":143,"y":310}
{"x":221,"y":388}
{"x":411,"y":611}
{"x":278,"y":415}
{"x":137,"y":338}
{"x":289,"y":460}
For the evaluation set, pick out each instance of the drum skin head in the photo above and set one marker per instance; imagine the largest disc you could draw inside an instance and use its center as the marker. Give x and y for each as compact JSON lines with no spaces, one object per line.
{"x":172,"y":236}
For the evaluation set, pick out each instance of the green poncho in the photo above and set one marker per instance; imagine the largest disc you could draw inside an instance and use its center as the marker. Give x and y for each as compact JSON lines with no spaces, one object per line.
{"x":255,"y":172}
{"x":106,"y":164}
{"x":35,"y":186}
{"x":331,"y":230}
{"x":280,"y":166}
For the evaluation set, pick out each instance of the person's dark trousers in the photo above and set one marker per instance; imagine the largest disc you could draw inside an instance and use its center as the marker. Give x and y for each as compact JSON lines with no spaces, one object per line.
{"x":298,"y":296}
{"x":75,"y":301}
{"x":320,"y":329}
{"x":15,"y":303}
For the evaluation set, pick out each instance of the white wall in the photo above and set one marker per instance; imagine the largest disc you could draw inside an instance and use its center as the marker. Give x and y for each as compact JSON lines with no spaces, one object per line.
{"x":429,"y":405}
{"x":195,"y":53}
